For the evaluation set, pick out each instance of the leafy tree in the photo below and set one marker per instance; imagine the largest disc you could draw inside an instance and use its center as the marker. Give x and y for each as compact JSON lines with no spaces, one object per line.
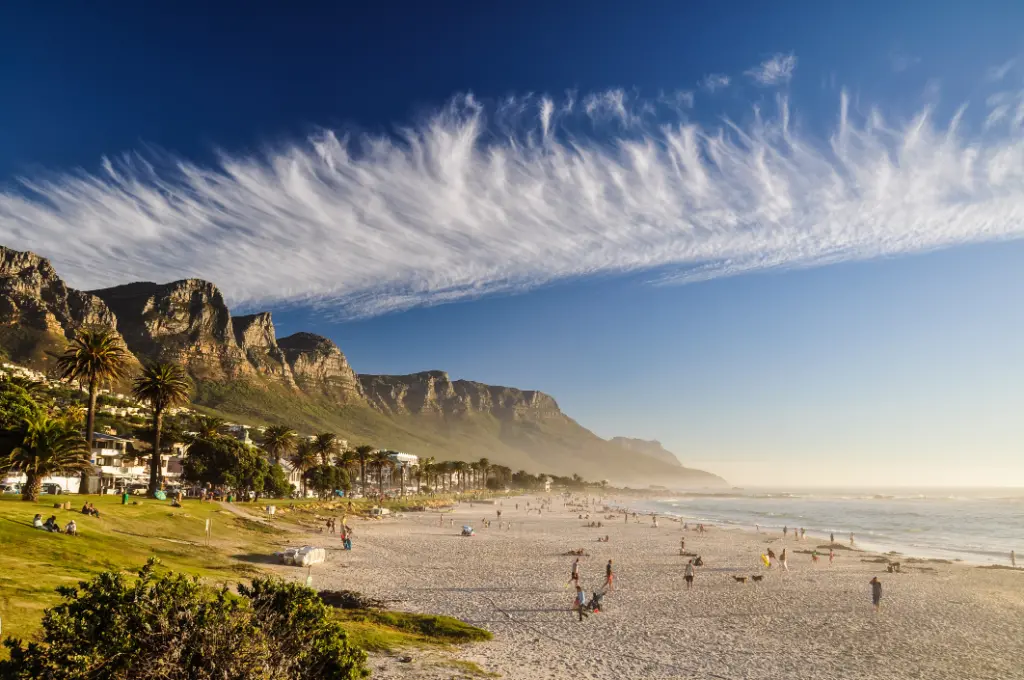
{"x":382,"y":461}
{"x":49,"y":446}
{"x":277,"y":484}
{"x":303,"y":459}
{"x":278,"y":441}
{"x":161,"y":385}
{"x":93,"y":359}
{"x":34,"y":388}
{"x":324,"y":479}
{"x":170,"y":627}
{"x":224,"y":461}
{"x":16,"y":406}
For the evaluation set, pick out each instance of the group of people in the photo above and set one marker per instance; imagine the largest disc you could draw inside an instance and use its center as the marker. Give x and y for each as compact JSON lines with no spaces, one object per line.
{"x":53,"y":525}
{"x":331,"y":524}
{"x":90,"y":509}
{"x":580,"y":603}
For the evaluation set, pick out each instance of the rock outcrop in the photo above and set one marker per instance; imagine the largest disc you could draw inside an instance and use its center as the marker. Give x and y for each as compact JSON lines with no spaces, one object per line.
{"x":433,"y":392}
{"x":38,"y":312}
{"x":257,"y":339}
{"x":649,"y":447}
{"x":304,"y":380}
{"x":319,"y":367}
{"x":185,"y":321}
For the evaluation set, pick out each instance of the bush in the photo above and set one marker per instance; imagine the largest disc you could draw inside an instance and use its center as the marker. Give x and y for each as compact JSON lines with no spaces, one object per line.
{"x":172,"y":628}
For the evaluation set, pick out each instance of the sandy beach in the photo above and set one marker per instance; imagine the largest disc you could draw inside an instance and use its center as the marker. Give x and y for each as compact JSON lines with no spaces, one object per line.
{"x":937,"y":620}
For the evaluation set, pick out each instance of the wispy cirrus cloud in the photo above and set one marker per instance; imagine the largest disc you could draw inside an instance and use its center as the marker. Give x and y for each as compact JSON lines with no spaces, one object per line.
{"x":715,"y":81}
{"x":774,"y":71}
{"x":487,"y":199}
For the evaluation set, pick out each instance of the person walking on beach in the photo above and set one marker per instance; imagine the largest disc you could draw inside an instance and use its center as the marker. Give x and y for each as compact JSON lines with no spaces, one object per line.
{"x":1013,"y":559}
{"x":574,"y":576}
{"x":580,"y":602}
{"x":771,"y":556}
{"x":782,"y":559}
{"x":803,"y":534}
{"x":832,"y":538}
{"x":688,"y":574}
{"x":609,"y":577}
{"x":876,"y":592}
{"x":785,"y":531}
{"x":831,"y":556}
{"x":851,"y":540}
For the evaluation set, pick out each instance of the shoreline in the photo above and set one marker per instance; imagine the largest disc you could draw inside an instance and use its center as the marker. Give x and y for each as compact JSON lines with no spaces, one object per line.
{"x":814,"y":621}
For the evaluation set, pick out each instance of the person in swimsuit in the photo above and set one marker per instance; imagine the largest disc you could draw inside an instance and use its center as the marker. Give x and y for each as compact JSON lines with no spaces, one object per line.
{"x":688,"y":574}
{"x":574,"y":575}
{"x":609,"y":577}
{"x":771,"y":557}
{"x":831,"y":555}
{"x":782,"y":559}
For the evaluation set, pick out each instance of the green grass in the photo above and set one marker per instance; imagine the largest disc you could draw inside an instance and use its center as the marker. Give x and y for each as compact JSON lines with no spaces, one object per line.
{"x":34,"y":562}
{"x":385,"y":631}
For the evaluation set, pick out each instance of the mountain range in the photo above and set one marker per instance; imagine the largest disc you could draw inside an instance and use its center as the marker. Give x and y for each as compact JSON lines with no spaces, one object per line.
{"x":242,"y":370}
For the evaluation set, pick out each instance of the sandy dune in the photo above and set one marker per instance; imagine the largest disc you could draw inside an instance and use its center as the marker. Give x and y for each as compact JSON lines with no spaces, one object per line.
{"x":816,"y":621}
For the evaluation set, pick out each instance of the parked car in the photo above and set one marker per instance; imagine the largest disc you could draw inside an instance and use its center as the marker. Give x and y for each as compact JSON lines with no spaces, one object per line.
{"x":52,"y":488}
{"x":10,"y":488}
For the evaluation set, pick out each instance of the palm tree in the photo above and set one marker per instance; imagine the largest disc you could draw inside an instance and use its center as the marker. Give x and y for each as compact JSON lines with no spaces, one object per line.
{"x":460,"y":467}
{"x":483,"y":465}
{"x":49,"y":446}
{"x":162,"y":385}
{"x":326,"y":445}
{"x":278,"y":441}
{"x":304,"y":458}
{"x":381,"y":460}
{"x":363,"y":452}
{"x":347,"y":460}
{"x":94,"y":358}
{"x":427,"y":468}
{"x":207,"y":427}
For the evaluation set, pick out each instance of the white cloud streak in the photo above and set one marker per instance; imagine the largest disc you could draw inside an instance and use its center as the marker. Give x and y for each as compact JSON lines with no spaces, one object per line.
{"x":715,"y":81}
{"x":479,"y":200}
{"x":775,"y":71}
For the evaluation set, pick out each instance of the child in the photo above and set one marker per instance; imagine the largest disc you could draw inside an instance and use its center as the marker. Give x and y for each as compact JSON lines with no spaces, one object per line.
{"x":580,"y":602}
{"x":688,"y":574}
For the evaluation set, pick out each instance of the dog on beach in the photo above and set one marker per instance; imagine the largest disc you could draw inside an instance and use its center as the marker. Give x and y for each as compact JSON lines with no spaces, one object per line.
{"x":757,"y":577}
{"x":740,"y":579}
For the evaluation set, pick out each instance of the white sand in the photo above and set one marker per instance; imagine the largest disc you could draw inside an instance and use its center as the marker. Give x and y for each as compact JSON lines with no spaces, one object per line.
{"x":814,"y":622}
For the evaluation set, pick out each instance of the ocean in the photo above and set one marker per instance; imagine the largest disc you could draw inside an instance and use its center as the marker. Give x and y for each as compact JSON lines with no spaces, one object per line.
{"x":973,"y":525}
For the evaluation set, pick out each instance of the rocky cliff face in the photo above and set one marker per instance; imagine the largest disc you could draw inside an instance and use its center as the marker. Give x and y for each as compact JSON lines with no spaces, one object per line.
{"x":185,"y":321}
{"x":37,"y":310}
{"x":433,"y":392}
{"x":256,"y":337}
{"x":651,"y":448}
{"x":319,"y":367}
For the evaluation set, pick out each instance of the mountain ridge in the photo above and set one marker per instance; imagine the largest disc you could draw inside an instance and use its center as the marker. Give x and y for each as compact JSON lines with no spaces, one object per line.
{"x":242,"y":369}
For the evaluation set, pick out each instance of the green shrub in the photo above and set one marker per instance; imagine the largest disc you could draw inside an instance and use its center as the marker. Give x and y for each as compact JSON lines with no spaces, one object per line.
{"x":172,"y":628}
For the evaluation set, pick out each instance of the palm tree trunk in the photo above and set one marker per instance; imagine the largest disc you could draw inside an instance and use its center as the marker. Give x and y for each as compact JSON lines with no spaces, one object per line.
{"x":33,"y":485}
{"x":154,"y":459}
{"x":362,"y":475}
{"x":90,"y":426}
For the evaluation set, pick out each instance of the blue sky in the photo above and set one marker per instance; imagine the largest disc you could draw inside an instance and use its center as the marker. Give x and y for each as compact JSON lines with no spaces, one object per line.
{"x":782,"y":240}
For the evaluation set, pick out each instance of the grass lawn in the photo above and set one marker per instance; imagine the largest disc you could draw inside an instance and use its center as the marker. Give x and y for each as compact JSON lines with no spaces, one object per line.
{"x":34,"y":562}
{"x":122,"y":538}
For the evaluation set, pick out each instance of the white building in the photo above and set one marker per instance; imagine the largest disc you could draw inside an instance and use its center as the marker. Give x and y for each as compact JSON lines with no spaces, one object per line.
{"x":119,"y":469}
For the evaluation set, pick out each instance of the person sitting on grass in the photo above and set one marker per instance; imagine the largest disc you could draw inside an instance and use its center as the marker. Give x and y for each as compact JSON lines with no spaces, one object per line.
{"x":37,"y":522}
{"x":51,"y":524}
{"x":71,"y":529}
